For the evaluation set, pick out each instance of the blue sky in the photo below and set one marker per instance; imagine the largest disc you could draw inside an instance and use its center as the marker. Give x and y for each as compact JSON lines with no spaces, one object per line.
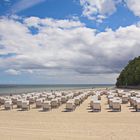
{"x":67,"y":41}
{"x":63,"y":9}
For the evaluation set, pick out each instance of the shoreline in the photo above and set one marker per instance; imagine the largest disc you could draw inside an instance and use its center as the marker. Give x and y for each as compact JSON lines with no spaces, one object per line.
{"x":20,"y":89}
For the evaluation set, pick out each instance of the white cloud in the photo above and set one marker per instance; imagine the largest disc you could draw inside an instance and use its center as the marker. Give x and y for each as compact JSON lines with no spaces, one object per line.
{"x":50,"y":22}
{"x":134,"y":6}
{"x":24,"y":4}
{"x":98,"y":9}
{"x":12,"y":72}
{"x":65,"y":47}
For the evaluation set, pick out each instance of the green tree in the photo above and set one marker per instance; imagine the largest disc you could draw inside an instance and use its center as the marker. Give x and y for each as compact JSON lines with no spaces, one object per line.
{"x":130,"y":75}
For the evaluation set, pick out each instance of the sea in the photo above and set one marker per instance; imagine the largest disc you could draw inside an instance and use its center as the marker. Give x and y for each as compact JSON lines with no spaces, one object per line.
{"x":19,"y":89}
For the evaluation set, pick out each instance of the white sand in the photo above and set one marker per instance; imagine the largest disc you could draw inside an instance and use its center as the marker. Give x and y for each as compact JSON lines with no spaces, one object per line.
{"x":77,"y":125}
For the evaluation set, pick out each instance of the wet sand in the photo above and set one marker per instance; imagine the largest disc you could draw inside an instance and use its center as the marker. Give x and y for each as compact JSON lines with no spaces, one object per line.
{"x":82,"y":124}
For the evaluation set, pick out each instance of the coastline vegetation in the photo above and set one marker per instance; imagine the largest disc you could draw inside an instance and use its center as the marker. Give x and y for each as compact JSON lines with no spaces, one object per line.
{"x":130,"y":75}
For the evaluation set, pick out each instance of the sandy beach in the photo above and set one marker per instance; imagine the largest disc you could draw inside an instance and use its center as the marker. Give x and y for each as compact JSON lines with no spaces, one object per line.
{"x":69,"y":69}
{"x":81,"y":124}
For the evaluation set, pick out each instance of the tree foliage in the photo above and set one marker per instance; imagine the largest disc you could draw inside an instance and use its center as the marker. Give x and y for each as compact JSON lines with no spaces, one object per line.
{"x":130,"y":75}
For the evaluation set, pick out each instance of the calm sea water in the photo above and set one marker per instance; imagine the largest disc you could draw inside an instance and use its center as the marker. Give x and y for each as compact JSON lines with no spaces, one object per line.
{"x":13,"y":89}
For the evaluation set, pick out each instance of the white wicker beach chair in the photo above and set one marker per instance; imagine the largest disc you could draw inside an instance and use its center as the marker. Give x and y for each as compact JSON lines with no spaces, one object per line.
{"x":96,"y":105}
{"x":39,"y":102}
{"x":125,"y":99}
{"x":19,"y":103}
{"x":70,"y":105}
{"x":32,"y":100}
{"x":77,"y":101}
{"x":116,"y":105}
{"x":46,"y":105}
{"x":63,"y":99}
{"x":25,"y":105}
{"x":137,"y":107}
{"x":54,"y":103}
{"x":8,"y":105}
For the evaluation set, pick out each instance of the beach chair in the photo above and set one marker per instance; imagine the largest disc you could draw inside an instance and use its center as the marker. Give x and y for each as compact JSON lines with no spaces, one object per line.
{"x":91,"y":103}
{"x":19,"y":103}
{"x":59,"y":101}
{"x":44,"y":96}
{"x":133,"y":93}
{"x":120,"y":94}
{"x":96,"y":105}
{"x":32,"y":100}
{"x":70,"y":105}
{"x":133,"y":102}
{"x":116,"y":105}
{"x":25,"y":105}
{"x":110,"y":96}
{"x":2,"y":100}
{"x":99,"y":97}
{"x":58,"y":94}
{"x":50,"y":97}
{"x":63,"y":99}
{"x":110,"y":102}
{"x":8,"y":105}
{"x":14,"y":100}
{"x":138,"y":96}
{"x":39,"y":102}
{"x":46,"y":105}
{"x":54,"y":103}
{"x":137,"y":107}
{"x":125,"y":99}
{"x":77,"y":101}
